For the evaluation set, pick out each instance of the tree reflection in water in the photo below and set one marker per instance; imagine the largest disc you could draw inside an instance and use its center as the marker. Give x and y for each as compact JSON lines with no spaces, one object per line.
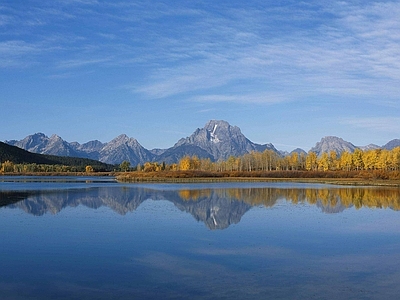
{"x":216,"y":207}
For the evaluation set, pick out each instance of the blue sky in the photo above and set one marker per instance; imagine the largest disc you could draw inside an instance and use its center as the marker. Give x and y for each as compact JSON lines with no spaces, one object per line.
{"x":285,"y":72}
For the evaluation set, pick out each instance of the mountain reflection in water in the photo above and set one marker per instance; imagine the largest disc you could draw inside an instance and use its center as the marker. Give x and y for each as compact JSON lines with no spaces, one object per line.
{"x":217,"y":208}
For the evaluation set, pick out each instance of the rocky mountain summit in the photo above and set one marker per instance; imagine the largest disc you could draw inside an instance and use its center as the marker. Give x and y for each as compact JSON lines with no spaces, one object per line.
{"x":124,"y":148}
{"x":218,"y":140}
{"x":333,"y":143}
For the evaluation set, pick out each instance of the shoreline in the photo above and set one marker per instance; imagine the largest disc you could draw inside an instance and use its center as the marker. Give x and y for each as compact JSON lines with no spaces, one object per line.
{"x":353,"y":178}
{"x":333,"y":181}
{"x":123,"y":177}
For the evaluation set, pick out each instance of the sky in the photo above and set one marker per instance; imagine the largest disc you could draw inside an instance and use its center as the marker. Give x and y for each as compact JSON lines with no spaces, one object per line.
{"x":284,"y":72}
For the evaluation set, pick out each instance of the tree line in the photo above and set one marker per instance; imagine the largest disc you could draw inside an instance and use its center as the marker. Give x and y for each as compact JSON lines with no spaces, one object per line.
{"x":376,"y":159}
{"x":10,"y":167}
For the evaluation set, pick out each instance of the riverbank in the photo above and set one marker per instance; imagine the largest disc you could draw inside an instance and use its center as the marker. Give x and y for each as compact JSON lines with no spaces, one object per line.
{"x":348,"y":178}
{"x":344,"y":181}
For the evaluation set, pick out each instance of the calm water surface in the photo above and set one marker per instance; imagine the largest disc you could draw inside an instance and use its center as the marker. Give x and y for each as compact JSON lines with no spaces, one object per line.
{"x":93,"y":238}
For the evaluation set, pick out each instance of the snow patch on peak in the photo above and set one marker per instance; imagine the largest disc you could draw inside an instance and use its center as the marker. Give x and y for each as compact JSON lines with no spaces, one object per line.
{"x":213,"y":136}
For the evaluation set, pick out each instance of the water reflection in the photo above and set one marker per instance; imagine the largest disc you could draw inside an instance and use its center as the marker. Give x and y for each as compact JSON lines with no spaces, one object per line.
{"x":216,"y":207}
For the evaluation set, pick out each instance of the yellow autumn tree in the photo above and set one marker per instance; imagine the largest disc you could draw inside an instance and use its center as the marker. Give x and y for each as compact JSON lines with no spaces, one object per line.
{"x":396,"y":158}
{"x":184,"y":163}
{"x":294,"y":161}
{"x":346,"y":161}
{"x":311,"y":161}
{"x":384,"y":160}
{"x":357,"y":158}
{"x":194,"y":163}
{"x":323,"y":162}
{"x":370,"y":159}
{"x":7,"y":166}
{"x":333,"y":160}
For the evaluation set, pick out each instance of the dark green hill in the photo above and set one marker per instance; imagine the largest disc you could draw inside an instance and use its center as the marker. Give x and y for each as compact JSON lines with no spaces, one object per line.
{"x":20,"y":156}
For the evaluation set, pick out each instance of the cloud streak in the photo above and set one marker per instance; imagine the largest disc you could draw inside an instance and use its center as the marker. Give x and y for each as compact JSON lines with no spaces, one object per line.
{"x":353,"y":51}
{"x":352,"y":55}
{"x":383,"y":124}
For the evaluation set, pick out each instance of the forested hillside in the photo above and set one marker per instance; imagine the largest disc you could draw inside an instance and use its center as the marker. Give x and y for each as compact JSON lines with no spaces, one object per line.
{"x":14,"y":155}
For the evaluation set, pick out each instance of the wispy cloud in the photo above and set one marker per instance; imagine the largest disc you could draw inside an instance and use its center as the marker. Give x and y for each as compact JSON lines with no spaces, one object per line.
{"x":207,"y":110}
{"x":76,"y":63}
{"x":13,"y":53}
{"x":354,"y":53}
{"x":384,"y":124}
{"x":254,"y":54}
{"x":17,"y":48}
{"x":247,"y":98}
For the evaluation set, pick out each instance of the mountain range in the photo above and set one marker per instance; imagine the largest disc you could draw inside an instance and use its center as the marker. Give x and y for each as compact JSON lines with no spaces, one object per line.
{"x":217,"y":140}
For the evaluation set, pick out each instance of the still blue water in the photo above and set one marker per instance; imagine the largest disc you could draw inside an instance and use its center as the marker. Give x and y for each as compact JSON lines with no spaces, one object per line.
{"x":93,"y":238}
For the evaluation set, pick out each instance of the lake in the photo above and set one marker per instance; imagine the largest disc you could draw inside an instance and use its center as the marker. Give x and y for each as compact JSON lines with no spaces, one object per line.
{"x":94,"y":238}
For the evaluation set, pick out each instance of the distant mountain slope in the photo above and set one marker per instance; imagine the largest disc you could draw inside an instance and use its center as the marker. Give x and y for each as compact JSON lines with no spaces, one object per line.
{"x":40,"y":143}
{"x":369,"y":147}
{"x":124,"y":148}
{"x":18,"y":156}
{"x":333,"y":143}
{"x":90,"y":149}
{"x":298,"y":151}
{"x":174,"y":154}
{"x":392,"y":144}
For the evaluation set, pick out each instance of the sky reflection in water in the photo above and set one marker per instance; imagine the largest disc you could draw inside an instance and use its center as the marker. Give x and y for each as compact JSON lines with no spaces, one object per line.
{"x":261,"y":240}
